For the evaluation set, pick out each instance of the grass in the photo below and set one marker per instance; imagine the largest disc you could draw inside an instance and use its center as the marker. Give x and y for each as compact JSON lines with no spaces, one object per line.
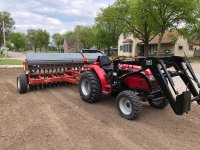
{"x":10,"y":62}
{"x":42,"y":51}
{"x":194,"y":58}
{"x":2,"y":55}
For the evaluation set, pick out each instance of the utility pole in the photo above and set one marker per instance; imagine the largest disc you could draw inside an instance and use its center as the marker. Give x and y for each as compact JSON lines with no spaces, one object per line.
{"x":4,"y":41}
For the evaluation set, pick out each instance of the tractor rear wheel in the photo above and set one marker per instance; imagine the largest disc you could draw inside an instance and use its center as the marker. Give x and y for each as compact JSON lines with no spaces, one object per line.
{"x":159,"y":103}
{"x":90,"y":87}
{"x":129,"y":105}
{"x":22,"y":83}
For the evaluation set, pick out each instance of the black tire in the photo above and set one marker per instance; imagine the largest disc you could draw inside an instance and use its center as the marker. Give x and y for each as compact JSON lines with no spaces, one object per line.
{"x":90,"y":87}
{"x":22,"y":83}
{"x":114,"y":93}
{"x":30,"y":87}
{"x":159,"y":104}
{"x":129,"y":105}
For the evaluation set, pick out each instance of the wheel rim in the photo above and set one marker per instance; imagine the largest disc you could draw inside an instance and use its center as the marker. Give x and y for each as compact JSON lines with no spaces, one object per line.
{"x":156,"y":102}
{"x":18,"y":84}
{"x":85,"y":87}
{"x":125,"y":106}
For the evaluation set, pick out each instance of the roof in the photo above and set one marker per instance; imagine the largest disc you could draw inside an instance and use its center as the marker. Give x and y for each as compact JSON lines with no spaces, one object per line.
{"x":128,"y":41}
{"x":194,"y":41}
{"x":170,"y":36}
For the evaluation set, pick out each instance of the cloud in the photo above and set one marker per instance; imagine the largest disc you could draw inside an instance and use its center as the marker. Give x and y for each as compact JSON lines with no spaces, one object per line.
{"x":54,"y":16}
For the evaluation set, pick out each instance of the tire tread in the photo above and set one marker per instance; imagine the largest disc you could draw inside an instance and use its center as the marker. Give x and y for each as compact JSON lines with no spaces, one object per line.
{"x":135,"y":101}
{"x":96,"y":91}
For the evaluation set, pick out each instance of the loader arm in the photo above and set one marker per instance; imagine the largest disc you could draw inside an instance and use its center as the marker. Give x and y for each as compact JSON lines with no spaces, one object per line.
{"x":158,"y":66}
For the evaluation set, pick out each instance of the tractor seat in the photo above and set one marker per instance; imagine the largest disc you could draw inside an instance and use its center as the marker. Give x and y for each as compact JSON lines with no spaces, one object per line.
{"x":105,"y":63}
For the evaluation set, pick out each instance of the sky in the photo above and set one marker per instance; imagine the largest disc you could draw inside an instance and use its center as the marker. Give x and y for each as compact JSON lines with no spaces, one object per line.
{"x":56,"y":16}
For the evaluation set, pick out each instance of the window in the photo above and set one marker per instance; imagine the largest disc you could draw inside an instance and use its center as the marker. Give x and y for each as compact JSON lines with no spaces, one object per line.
{"x":121,"y":48}
{"x":180,"y":47}
{"x":127,"y":48}
{"x":152,"y":49}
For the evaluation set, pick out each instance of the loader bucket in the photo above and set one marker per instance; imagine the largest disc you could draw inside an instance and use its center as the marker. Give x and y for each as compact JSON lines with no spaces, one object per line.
{"x":183,"y":102}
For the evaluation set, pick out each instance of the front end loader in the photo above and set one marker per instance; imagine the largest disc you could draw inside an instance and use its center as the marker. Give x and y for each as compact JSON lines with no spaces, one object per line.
{"x":140,"y":80}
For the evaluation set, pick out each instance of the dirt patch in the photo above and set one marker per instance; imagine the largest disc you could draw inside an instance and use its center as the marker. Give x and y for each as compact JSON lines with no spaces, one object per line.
{"x":57,"y":118}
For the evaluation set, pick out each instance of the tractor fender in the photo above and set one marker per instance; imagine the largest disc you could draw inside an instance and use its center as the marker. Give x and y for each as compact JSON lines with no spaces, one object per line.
{"x":102,"y":77}
{"x":140,"y":76}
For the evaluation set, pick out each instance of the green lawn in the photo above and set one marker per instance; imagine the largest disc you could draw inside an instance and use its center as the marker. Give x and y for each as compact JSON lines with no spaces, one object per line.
{"x":2,"y":55}
{"x":194,"y":58}
{"x":10,"y":62}
{"x":42,"y":51}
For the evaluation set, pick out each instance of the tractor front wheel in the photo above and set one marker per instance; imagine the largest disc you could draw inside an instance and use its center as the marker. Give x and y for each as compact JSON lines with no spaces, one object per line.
{"x":129,"y":105}
{"x":159,"y":103}
{"x":90,"y":87}
{"x":22,"y":83}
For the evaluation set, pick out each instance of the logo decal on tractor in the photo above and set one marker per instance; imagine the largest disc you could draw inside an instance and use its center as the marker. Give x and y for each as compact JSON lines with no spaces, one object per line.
{"x":148,"y":62}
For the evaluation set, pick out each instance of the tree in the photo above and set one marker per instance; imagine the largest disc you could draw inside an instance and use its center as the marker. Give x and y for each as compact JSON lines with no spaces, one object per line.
{"x":70,"y":35}
{"x":169,"y":14}
{"x":147,"y":18}
{"x":86,"y":35}
{"x":99,"y":36}
{"x":108,"y":27}
{"x":8,"y":24}
{"x":38,"y":38}
{"x":58,"y":40}
{"x":42,"y":39}
{"x":136,"y":20}
{"x":32,"y":38}
{"x":192,"y":30}
{"x":18,"y":39}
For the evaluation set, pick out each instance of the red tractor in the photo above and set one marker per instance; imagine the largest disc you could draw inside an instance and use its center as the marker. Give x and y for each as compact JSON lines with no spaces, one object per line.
{"x":133,"y":81}
{"x":139,"y":80}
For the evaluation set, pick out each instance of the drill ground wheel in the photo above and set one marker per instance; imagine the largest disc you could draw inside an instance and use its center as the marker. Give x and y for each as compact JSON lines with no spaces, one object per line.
{"x":22,"y":83}
{"x":129,"y":105}
{"x":90,"y":87}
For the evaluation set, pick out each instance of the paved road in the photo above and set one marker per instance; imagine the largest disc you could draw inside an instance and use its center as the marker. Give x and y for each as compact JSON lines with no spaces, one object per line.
{"x":57,"y":118}
{"x":16,"y":55}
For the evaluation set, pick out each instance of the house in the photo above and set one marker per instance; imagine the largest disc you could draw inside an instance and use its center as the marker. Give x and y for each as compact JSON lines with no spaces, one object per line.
{"x":173,"y":44}
{"x":71,"y":45}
